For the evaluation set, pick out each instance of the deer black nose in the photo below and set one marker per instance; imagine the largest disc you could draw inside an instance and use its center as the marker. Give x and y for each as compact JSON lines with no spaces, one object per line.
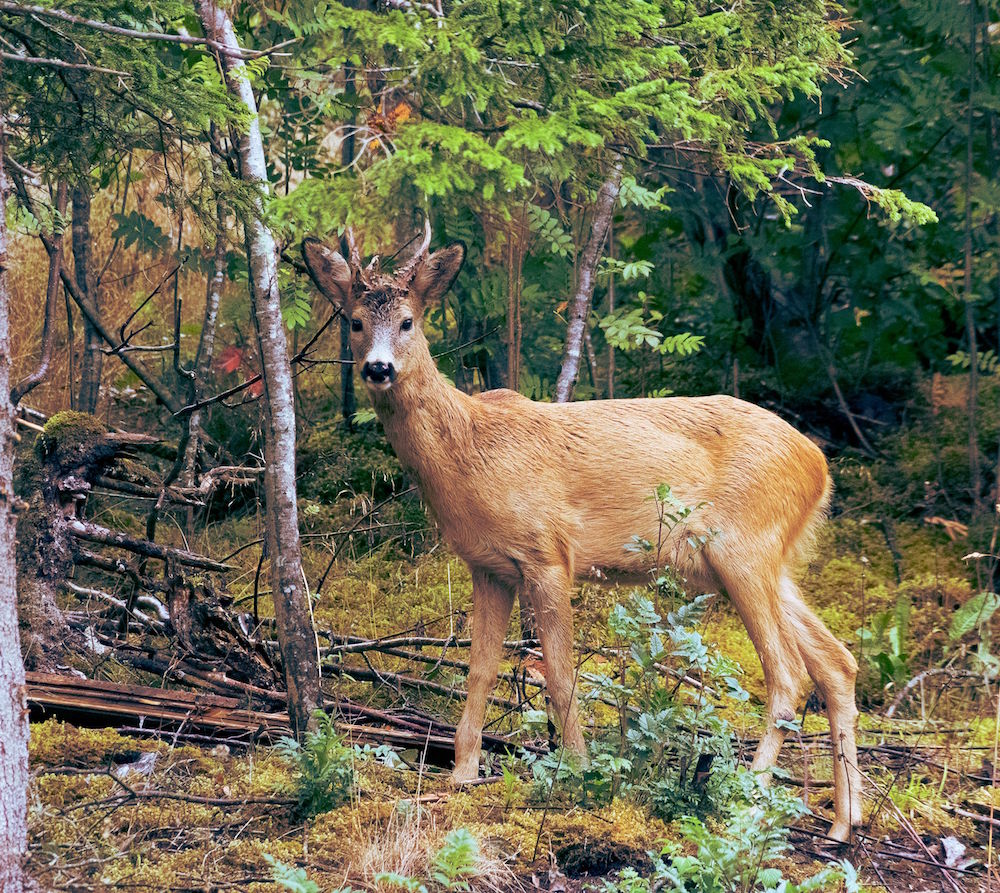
{"x":378,"y":371}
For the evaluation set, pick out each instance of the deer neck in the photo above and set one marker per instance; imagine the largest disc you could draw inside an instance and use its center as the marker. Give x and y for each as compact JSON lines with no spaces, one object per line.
{"x":426,"y":419}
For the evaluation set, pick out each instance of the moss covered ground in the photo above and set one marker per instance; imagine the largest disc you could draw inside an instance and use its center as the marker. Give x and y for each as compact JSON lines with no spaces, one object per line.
{"x":110,"y":811}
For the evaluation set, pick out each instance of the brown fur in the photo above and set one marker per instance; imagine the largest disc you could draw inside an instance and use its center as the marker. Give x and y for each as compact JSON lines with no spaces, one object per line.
{"x":535,"y":495}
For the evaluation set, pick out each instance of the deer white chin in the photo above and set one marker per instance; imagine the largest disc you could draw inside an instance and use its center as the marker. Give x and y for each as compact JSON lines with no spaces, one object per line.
{"x":378,"y":385}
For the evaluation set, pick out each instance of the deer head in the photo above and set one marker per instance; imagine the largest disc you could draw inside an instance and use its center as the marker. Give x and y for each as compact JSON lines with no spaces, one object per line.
{"x":385,"y":310}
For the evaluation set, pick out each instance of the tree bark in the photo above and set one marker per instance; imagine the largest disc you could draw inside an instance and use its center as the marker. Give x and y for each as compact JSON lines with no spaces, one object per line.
{"x":611,"y":309}
{"x":607,"y":196}
{"x":296,"y":637}
{"x":92,"y":360}
{"x":13,"y":708}
{"x":348,"y":400}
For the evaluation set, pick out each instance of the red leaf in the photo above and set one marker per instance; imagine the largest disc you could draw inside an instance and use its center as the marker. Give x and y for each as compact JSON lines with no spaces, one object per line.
{"x":230,"y":359}
{"x":256,"y":389}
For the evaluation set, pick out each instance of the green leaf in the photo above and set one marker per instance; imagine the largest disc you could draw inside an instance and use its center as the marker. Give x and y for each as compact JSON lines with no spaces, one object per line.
{"x":976,"y":612}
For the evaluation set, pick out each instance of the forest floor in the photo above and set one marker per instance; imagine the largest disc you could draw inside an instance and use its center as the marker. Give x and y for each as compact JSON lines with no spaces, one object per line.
{"x":147,"y":812}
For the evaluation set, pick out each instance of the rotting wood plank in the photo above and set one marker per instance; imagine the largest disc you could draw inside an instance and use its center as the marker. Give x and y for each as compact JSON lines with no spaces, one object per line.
{"x":101,"y":703}
{"x":90,"y":699}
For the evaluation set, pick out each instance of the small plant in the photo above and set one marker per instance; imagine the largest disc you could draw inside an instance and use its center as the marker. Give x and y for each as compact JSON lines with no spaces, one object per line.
{"x":324,"y":768}
{"x":456,"y":861}
{"x":883,"y":643}
{"x":665,"y":751}
{"x":976,"y":614}
{"x":295,"y":879}
{"x":628,"y":881}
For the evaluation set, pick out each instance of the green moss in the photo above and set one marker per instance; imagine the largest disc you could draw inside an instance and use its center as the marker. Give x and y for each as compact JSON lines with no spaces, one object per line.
{"x":617,"y":832}
{"x":55,"y":743}
{"x":67,"y":435}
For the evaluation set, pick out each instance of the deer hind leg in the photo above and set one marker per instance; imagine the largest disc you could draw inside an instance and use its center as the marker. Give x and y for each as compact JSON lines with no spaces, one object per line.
{"x":834,"y":670}
{"x":755,"y":595}
{"x":548,"y":590}
{"x":491,"y":607}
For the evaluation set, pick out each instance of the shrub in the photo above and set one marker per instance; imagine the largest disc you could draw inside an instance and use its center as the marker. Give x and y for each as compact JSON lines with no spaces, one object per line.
{"x":665,"y":752}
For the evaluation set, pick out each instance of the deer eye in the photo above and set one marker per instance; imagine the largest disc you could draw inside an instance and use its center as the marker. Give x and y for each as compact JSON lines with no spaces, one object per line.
{"x":407,"y":324}
{"x":356,"y":325}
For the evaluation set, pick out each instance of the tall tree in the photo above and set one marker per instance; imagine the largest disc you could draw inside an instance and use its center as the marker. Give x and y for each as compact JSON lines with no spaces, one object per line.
{"x":296,"y":637}
{"x":13,"y":710}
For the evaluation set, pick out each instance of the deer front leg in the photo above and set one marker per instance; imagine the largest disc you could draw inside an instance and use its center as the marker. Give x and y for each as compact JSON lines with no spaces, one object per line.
{"x":491,"y":607}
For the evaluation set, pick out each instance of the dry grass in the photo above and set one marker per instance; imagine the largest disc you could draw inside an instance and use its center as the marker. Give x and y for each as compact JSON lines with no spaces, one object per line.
{"x":406,"y":844}
{"x":128,"y":279}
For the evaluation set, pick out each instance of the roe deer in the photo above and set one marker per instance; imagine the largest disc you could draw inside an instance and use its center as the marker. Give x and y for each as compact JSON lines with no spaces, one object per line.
{"x":534,"y":495}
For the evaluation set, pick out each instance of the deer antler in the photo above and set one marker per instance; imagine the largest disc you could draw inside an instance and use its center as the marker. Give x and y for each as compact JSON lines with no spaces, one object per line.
{"x":411,"y":265}
{"x":352,"y":247}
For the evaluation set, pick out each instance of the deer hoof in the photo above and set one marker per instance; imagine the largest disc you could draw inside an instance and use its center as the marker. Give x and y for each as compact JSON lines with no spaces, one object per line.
{"x":464,"y":775}
{"x":840,"y":831}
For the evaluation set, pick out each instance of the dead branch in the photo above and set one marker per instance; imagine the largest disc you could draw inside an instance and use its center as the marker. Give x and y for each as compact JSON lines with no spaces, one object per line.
{"x":148,"y":600}
{"x":94,"y":533}
{"x":400,"y":681}
{"x":120,"y":566}
{"x":355,"y":644}
{"x":919,"y":679}
{"x":27,"y":10}
{"x":158,"y":389}
{"x":300,"y":357}
{"x":137,"y":490}
{"x":61,"y":63}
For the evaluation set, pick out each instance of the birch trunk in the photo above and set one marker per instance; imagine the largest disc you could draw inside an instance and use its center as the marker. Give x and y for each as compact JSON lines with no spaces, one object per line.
{"x":13,"y":709}
{"x":580,"y":305}
{"x":291,"y":602}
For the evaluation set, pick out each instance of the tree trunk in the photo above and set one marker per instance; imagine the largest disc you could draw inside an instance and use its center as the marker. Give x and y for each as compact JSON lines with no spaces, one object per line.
{"x":348,"y":402}
{"x":975,"y":469}
{"x":92,"y":360}
{"x":206,"y":350}
{"x":13,"y":709}
{"x":291,"y":602}
{"x":607,"y":196}
{"x":611,"y":309}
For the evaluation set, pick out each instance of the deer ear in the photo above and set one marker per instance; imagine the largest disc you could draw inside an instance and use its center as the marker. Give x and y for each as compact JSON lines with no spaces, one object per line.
{"x":328,"y":270}
{"x":436,"y":273}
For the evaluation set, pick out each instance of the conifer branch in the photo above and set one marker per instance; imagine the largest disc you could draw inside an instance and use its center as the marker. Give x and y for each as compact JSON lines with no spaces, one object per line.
{"x":184,"y":39}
